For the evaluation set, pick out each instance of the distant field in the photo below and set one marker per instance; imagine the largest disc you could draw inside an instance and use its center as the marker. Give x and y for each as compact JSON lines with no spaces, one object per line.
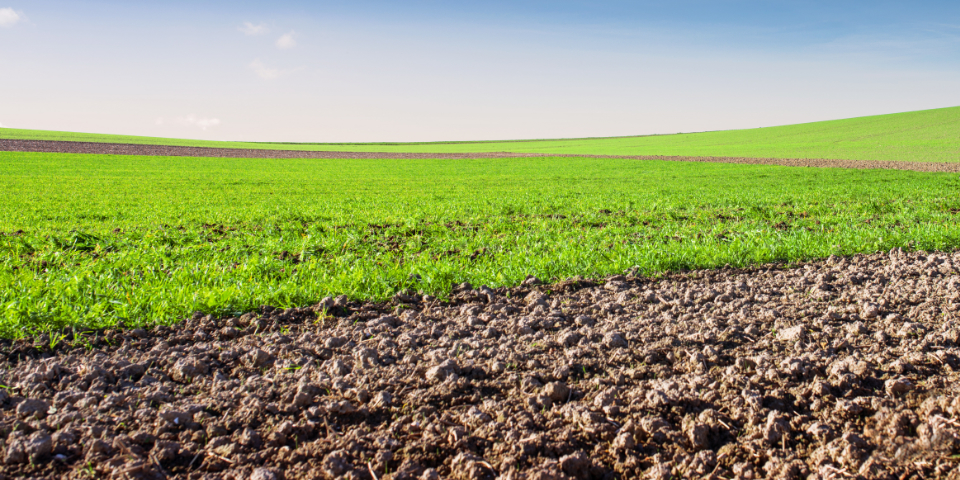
{"x":929,"y":135}
{"x":150,"y":239}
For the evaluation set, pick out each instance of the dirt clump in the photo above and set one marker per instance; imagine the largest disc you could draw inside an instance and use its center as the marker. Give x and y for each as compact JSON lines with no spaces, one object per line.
{"x":845,"y":368}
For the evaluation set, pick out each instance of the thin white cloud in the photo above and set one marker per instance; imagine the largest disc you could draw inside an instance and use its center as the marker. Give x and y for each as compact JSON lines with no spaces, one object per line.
{"x":249,"y":28}
{"x":3,"y":126}
{"x":192,"y":121}
{"x":264,"y":71}
{"x":9,"y":17}
{"x":286,"y":41}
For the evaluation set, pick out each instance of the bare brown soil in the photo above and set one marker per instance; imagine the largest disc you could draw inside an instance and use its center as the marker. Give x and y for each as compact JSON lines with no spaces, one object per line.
{"x":51,"y":146}
{"x":846,"y":368}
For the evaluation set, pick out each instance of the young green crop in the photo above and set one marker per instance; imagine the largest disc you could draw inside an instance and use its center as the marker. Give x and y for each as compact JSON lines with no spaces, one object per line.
{"x":922,"y":136}
{"x":151,"y":239}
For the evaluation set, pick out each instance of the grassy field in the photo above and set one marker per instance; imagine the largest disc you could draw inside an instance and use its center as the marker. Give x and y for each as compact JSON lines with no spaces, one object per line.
{"x":929,"y":135}
{"x":93,"y":239}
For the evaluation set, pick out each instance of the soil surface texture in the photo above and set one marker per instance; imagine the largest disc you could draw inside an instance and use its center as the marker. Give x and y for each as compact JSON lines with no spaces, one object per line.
{"x":52,"y":146}
{"x":846,"y":368}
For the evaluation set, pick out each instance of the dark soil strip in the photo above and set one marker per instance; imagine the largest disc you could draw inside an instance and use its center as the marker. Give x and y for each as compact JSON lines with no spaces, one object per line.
{"x":50,"y":146}
{"x":847,"y":368}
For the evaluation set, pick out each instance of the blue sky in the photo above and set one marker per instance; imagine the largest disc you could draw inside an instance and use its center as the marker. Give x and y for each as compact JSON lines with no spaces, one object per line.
{"x":438,"y":70}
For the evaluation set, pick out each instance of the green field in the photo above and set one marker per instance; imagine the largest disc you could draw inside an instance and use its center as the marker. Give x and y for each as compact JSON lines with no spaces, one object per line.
{"x":929,"y":135}
{"x":151,"y":239}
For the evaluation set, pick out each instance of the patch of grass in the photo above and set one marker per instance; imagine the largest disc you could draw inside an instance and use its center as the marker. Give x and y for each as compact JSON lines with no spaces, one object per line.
{"x":922,"y":136}
{"x":92,"y":240}
{"x":25,"y":134}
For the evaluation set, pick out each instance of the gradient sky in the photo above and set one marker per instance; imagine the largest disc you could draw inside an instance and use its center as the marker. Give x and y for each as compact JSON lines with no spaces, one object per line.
{"x":368,"y":70}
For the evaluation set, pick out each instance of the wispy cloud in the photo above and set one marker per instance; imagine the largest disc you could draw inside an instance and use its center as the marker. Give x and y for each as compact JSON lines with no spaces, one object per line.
{"x":249,"y":28}
{"x":9,"y":17}
{"x":264,"y":71}
{"x":192,"y":121}
{"x":286,"y":41}
{"x":930,"y":45}
{"x":3,"y":126}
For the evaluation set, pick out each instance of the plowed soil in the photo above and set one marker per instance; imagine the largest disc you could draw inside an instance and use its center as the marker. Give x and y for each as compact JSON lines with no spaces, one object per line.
{"x":846,"y":368}
{"x":51,"y":146}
